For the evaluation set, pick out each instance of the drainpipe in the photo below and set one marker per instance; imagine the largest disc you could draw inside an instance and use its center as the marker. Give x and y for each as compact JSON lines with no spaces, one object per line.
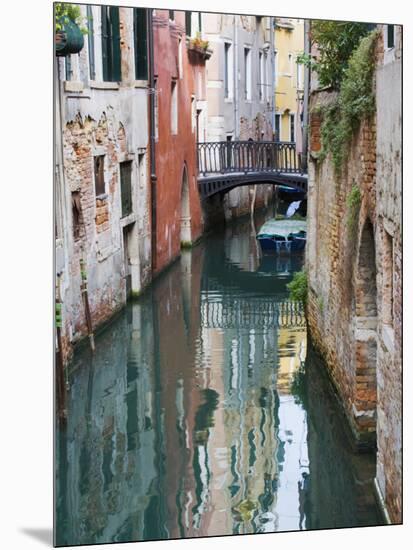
{"x":152,"y":100}
{"x":306,"y":95}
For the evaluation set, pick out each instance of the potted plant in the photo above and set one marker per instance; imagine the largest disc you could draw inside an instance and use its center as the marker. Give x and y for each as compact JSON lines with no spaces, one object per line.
{"x":199,"y":45}
{"x":69,"y":30}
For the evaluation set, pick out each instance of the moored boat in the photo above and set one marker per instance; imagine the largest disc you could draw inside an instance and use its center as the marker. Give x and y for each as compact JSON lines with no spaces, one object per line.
{"x":283,"y":236}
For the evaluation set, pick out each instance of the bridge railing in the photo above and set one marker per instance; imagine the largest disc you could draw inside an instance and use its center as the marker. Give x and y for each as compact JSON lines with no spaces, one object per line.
{"x":222,"y":157}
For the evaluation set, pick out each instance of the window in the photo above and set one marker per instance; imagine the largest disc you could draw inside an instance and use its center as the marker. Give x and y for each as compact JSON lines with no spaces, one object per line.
{"x":292,"y":127}
{"x":188,"y":23}
{"x":68,"y":67}
{"x":226,"y":68}
{"x":174,"y":107}
{"x":390,"y":36}
{"x":199,"y":21}
{"x":247,"y":73}
{"x":300,"y":83}
{"x":193,"y":113}
{"x":141,"y":43}
{"x":110,"y":44}
{"x":156,"y":115}
{"x":277,"y":127}
{"x":171,"y":15}
{"x":126,"y":187}
{"x":289,"y":70}
{"x":229,"y":151}
{"x":261,"y":75}
{"x":99,"y":162}
{"x":276,"y":66}
{"x":76,"y":214}
{"x":91,"y":42}
{"x":266,"y":72}
{"x":180,"y":64}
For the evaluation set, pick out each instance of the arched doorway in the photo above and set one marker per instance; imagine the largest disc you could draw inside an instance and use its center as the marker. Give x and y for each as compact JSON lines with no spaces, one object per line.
{"x":186,"y":237}
{"x":365,"y":395}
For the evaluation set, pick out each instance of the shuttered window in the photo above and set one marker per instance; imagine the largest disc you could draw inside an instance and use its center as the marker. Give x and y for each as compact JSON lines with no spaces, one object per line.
{"x":91,"y":42}
{"x":141,"y":43}
{"x":126,"y":187}
{"x":110,"y":44}
{"x":188,"y":23}
{"x":99,"y":163}
{"x":390,"y":36}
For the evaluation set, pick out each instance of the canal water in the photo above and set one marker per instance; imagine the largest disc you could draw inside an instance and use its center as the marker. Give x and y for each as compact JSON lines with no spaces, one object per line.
{"x":205,"y":412}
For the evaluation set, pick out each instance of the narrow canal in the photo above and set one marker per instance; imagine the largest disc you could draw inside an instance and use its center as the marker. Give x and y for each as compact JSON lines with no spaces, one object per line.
{"x":203,"y":412}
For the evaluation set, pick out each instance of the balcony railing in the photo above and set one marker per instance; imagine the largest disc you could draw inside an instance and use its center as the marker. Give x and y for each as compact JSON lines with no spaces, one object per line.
{"x":223,"y":157}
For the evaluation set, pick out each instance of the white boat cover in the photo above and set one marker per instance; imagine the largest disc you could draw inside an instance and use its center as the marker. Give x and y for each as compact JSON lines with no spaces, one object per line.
{"x":282,"y":228}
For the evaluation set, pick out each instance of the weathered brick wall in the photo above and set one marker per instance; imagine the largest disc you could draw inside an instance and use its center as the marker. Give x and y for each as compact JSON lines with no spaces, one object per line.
{"x":95,"y":118}
{"x":99,"y":242}
{"x":354,"y":306}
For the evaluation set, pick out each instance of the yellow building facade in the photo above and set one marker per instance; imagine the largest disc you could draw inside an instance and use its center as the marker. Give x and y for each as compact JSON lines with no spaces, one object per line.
{"x":289,"y":79}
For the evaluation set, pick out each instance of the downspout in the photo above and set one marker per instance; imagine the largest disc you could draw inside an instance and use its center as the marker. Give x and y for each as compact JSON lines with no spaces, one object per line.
{"x":152,"y":100}
{"x":306,"y":95}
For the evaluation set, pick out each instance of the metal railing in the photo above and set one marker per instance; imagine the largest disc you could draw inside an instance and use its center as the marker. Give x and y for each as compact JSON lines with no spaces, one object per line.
{"x":223,"y":157}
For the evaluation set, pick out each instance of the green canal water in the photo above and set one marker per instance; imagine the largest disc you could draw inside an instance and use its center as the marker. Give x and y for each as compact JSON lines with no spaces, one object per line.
{"x":204,"y":411}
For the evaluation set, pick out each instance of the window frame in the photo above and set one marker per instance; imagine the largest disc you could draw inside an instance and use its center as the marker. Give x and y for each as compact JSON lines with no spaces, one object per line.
{"x":174,"y":106}
{"x":228,"y":70}
{"x":126,"y":194}
{"x":247,"y":74}
{"x":100,"y":186}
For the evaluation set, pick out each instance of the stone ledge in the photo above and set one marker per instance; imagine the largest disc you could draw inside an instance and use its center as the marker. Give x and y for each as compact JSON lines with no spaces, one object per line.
{"x":96,"y":85}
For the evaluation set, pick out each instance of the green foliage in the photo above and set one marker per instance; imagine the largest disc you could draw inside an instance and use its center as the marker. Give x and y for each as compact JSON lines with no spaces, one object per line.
{"x":355,"y":101}
{"x":336,"y":41}
{"x":320,"y":303}
{"x":298,"y":287}
{"x":353,"y":202}
{"x":198,"y":42}
{"x":64,"y":12}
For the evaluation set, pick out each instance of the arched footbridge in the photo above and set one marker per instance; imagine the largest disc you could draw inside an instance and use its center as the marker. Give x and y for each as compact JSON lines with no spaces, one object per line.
{"x":224,"y":165}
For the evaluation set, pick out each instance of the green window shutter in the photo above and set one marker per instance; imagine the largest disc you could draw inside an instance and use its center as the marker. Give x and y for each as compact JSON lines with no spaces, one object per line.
{"x":188,"y":21}
{"x":115,"y":32}
{"x":141,"y":43}
{"x":105,"y":43}
{"x":91,"y":42}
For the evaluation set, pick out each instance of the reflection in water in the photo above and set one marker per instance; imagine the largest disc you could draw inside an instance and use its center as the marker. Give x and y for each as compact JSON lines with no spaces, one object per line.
{"x":199,"y":413}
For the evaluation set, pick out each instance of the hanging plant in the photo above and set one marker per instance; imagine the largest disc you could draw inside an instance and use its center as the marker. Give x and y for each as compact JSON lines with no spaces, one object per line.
{"x":69,"y":29}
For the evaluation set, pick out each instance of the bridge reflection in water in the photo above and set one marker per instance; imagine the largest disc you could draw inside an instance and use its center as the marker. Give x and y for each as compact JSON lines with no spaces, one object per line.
{"x":186,"y":423}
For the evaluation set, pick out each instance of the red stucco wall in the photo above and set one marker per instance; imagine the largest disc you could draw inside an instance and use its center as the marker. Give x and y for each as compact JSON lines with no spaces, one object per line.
{"x":173,"y":152}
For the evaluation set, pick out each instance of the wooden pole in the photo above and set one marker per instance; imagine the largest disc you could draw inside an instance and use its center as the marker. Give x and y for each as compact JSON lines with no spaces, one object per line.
{"x":85,"y":298}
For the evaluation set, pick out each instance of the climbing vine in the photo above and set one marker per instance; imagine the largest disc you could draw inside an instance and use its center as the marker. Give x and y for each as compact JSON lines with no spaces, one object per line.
{"x":354,"y":102}
{"x":353,"y":205}
{"x":65,"y":12}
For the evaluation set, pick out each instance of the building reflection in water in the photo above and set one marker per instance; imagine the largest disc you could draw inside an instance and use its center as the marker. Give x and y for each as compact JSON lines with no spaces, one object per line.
{"x":200,"y":415}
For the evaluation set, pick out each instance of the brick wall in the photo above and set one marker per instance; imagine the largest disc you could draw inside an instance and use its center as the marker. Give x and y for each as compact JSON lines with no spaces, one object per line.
{"x":354,"y":305}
